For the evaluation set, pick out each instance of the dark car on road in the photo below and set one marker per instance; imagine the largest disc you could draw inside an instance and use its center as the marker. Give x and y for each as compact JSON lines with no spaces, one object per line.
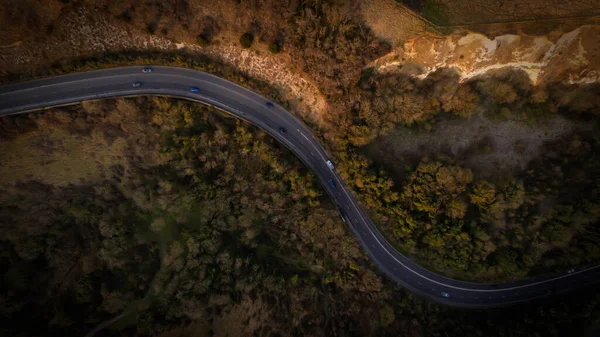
{"x":270,"y":105}
{"x":147,"y":70}
{"x":283,"y":131}
{"x":331,"y":183}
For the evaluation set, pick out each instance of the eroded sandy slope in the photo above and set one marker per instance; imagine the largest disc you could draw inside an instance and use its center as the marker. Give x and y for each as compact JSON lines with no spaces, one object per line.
{"x":572,"y":57}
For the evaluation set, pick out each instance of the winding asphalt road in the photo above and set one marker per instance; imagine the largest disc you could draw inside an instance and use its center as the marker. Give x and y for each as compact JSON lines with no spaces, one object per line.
{"x":59,"y":90}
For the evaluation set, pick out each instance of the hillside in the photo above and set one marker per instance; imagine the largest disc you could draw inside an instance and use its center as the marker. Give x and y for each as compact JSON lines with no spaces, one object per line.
{"x":468,"y":132}
{"x":184,"y":222}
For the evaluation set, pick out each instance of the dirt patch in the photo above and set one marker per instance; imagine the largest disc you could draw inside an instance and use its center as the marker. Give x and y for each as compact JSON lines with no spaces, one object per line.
{"x":486,"y":146}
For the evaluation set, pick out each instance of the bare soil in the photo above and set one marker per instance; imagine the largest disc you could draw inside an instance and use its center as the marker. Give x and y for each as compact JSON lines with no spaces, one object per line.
{"x":572,"y":57}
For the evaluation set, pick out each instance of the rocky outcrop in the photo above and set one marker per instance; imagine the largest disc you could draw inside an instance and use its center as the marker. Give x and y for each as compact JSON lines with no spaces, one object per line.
{"x":572,"y":57}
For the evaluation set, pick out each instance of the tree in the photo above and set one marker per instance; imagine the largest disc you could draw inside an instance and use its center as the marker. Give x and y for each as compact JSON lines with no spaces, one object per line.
{"x":202,"y":40}
{"x":434,"y":186}
{"x":246,"y":40}
{"x":386,"y":315}
{"x":457,"y":209}
{"x":464,"y":103}
{"x":498,"y":92}
{"x":274,"y":47}
{"x":484,"y":195}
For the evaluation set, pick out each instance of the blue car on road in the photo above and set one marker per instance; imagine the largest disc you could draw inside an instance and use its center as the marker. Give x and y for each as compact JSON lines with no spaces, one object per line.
{"x":194,"y":89}
{"x":331,"y":183}
{"x":445,"y":294}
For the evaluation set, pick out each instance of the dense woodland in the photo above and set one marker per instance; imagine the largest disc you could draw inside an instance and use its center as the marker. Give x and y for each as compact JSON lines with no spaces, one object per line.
{"x":229,"y":233}
{"x":507,"y":227}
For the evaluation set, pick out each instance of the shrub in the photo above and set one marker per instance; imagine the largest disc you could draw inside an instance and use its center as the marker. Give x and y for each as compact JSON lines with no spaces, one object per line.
{"x":274,"y":47}
{"x":128,"y":15}
{"x":151,"y":27}
{"x":484,"y":195}
{"x":497,"y":92}
{"x":464,"y":103}
{"x":246,"y":40}
{"x":202,"y":40}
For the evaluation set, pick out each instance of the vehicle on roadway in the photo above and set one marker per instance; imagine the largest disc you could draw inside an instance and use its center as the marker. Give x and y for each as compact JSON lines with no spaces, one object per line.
{"x":331,"y":183}
{"x":270,"y":105}
{"x":445,"y":294}
{"x":283,"y":131}
{"x":570,"y":271}
{"x":330,"y":164}
{"x":137,"y":84}
{"x":147,"y":70}
{"x":194,"y":89}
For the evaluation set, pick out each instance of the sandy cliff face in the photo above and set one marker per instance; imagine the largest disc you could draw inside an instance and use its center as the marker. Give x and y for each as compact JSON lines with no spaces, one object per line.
{"x":573,"y":57}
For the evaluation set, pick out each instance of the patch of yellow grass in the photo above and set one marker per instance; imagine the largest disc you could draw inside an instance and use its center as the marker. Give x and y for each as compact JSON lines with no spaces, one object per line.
{"x":394,"y":22}
{"x":57,"y":157}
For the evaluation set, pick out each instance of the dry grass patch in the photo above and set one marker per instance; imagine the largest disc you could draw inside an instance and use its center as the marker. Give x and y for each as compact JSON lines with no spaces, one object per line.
{"x":394,"y":22}
{"x":488,"y":147}
{"x":57,"y":157}
{"x":465,"y":12}
{"x":80,"y":144}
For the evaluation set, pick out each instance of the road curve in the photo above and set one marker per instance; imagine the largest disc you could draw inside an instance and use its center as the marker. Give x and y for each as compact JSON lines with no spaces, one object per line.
{"x":247,"y":105}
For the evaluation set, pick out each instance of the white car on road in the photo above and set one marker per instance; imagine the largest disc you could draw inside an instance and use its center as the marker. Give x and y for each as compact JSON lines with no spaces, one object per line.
{"x":330,"y":164}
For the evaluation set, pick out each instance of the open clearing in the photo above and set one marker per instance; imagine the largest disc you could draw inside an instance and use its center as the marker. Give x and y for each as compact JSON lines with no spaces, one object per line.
{"x":486,"y":146}
{"x":59,"y":149}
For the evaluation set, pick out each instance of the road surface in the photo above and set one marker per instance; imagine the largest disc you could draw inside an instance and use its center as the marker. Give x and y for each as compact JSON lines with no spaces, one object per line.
{"x":247,"y":105}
